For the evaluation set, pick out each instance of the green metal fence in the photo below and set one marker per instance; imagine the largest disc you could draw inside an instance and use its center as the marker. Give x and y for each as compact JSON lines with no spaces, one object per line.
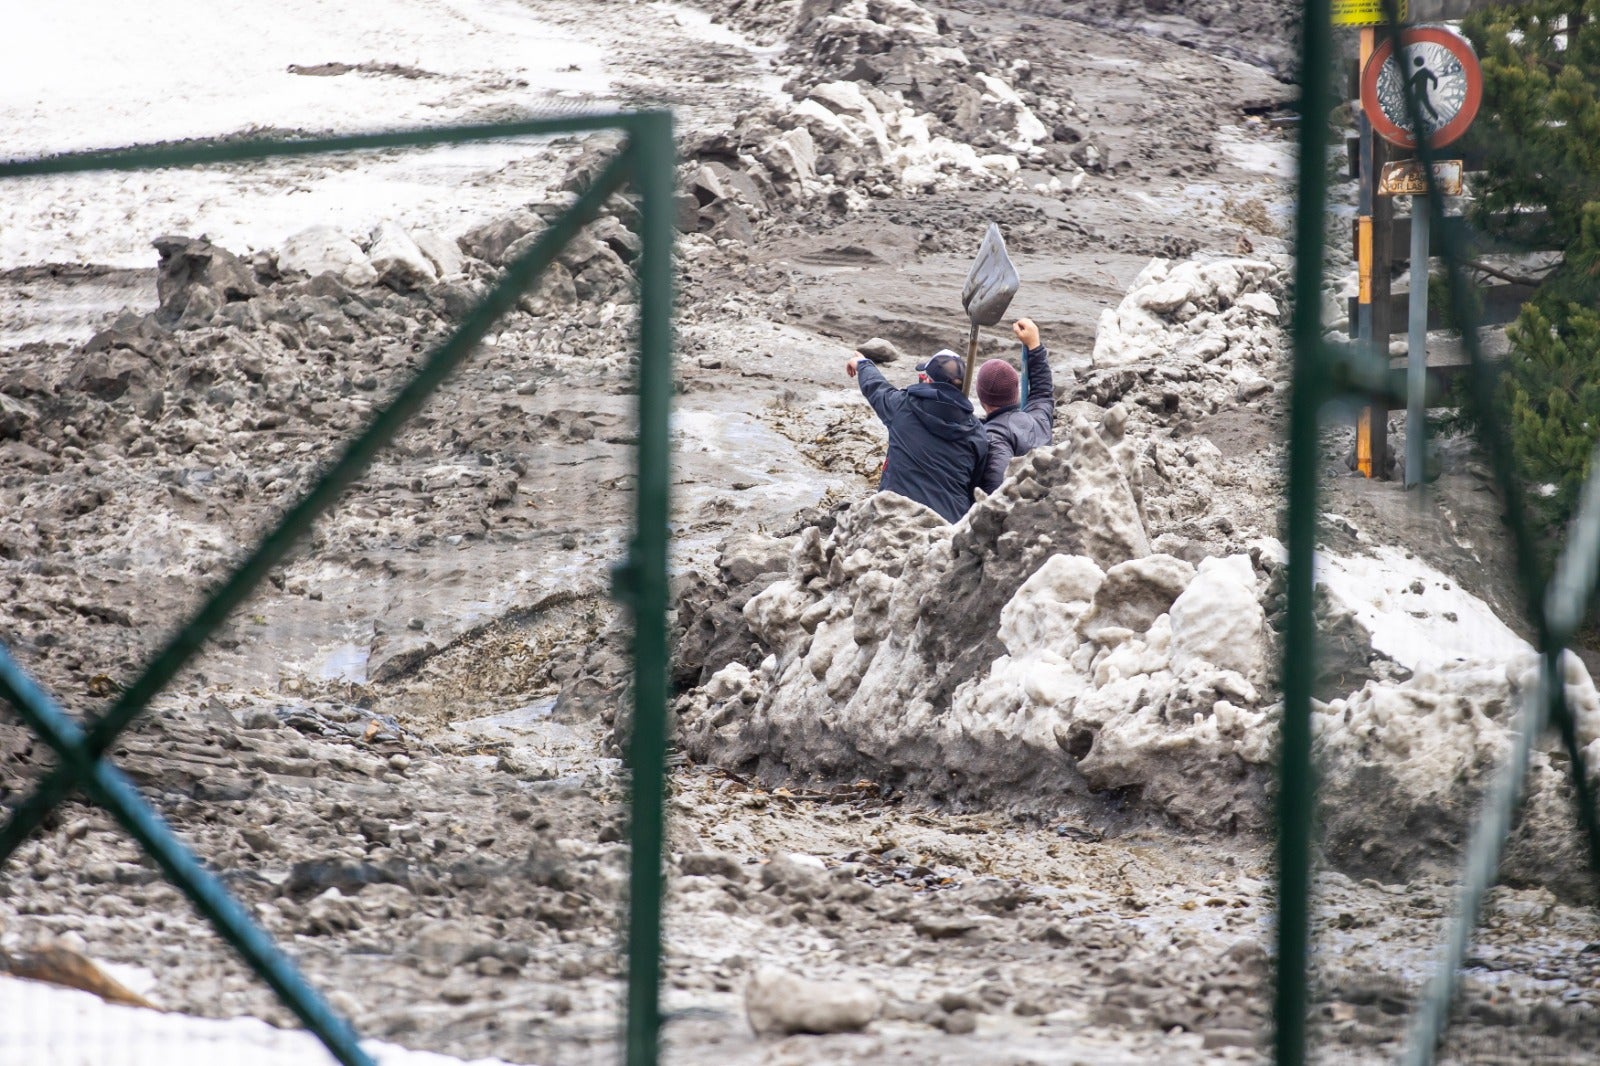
{"x":1322,"y":375}
{"x":644,"y":163}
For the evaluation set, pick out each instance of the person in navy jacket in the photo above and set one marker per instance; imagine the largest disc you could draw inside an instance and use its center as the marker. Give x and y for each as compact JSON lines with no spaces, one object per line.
{"x":937,"y":446}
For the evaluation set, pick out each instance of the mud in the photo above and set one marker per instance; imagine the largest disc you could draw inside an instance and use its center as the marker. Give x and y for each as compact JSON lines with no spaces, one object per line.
{"x":900,"y":800}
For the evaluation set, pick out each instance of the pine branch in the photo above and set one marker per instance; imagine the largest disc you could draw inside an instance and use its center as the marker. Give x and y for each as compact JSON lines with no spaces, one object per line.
{"x":1516,"y":279}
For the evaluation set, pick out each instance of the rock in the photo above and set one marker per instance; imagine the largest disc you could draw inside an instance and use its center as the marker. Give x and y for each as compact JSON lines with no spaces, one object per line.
{"x":454,"y":301}
{"x":945,"y":926}
{"x":16,"y":416}
{"x":329,"y":914}
{"x":108,"y":374}
{"x":195,"y":278}
{"x":800,"y":877}
{"x":712,"y":864}
{"x":324,"y":250}
{"x":492,"y":241}
{"x":398,"y":260}
{"x":726,"y":220}
{"x":443,"y":253}
{"x":879,"y":351}
{"x":778,"y":1003}
{"x":602,"y":280}
{"x":686,"y":212}
{"x":596,"y":155}
{"x":1221,"y":1038}
{"x":706,"y":186}
{"x":793,"y":155}
{"x":619,"y":238}
{"x":959,"y":1022}
{"x":737,"y":183}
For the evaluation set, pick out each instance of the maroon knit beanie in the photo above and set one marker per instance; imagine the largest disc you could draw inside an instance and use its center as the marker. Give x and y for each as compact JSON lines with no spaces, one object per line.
{"x":997,"y":384}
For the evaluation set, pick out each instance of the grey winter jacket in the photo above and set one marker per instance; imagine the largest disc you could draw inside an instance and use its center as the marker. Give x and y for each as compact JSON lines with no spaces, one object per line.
{"x":1018,"y":429}
{"x":936,"y":443}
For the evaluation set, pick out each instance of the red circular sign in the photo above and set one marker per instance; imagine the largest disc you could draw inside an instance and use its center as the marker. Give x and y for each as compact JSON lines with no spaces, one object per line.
{"x":1441,"y":67}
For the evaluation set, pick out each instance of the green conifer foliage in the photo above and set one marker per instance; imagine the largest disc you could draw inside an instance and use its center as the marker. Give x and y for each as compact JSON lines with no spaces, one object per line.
{"x":1539,"y":128}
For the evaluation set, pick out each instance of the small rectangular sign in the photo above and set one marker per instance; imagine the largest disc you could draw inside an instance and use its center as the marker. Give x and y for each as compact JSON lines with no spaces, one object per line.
{"x":1363,"y":12}
{"x":1405,"y":178}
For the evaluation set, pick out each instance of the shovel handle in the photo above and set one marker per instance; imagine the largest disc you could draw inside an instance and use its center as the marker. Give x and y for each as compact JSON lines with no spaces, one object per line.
{"x":972,"y":355}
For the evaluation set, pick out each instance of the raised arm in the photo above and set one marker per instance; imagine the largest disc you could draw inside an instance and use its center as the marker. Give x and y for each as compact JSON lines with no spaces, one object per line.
{"x":1041,"y":383}
{"x":884,"y":397}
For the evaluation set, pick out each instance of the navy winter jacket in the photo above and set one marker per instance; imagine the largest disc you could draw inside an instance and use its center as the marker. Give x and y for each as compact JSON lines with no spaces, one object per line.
{"x":1020,"y":428}
{"x":937,"y":446}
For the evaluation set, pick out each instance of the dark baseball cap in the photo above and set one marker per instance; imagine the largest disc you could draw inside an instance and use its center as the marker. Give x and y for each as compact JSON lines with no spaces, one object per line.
{"x":944,"y":365}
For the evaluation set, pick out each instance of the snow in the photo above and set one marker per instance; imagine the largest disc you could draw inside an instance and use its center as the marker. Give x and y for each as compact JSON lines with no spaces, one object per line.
{"x":1440,"y":624}
{"x":104,"y":74}
{"x":66,"y":1027}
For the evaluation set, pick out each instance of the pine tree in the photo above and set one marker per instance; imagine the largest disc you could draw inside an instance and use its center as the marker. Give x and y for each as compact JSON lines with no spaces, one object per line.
{"x":1539,"y":130}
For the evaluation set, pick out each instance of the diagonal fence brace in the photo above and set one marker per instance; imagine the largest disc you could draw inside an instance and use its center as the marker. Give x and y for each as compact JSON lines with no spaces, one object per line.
{"x":646,"y":158}
{"x":114,"y":792}
{"x":298,"y":521}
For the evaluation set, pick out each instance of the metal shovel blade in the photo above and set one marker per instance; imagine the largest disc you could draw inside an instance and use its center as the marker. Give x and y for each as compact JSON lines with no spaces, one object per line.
{"x":991,"y":283}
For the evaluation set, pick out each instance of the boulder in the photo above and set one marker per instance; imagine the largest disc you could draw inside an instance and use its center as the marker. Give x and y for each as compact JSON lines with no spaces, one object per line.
{"x":195,"y":278}
{"x":492,"y":241}
{"x":778,"y":1003}
{"x":398,"y":260}
{"x":879,"y":351}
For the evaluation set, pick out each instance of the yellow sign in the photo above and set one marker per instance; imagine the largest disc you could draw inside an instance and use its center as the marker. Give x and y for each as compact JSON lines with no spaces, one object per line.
{"x":1405,"y":178}
{"x":1364,"y":12}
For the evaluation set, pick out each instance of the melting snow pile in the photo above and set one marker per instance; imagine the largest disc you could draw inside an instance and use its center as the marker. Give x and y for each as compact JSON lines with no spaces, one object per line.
{"x":1036,"y":649}
{"x":1103,"y":629}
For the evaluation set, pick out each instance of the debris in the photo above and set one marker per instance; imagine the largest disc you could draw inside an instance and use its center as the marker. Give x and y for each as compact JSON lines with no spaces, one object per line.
{"x":60,"y":965}
{"x":778,"y":1003}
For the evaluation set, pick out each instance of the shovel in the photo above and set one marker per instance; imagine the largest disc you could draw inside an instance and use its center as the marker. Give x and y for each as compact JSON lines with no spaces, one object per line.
{"x":991,"y":283}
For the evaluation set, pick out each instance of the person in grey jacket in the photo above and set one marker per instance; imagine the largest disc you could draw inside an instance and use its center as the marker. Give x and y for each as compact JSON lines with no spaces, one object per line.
{"x":1015,"y":428}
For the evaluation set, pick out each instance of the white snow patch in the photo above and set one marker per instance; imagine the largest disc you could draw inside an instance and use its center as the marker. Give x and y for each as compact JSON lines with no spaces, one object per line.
{"x":65,"y":1027}
{"x":1442,"y":623}
{"x":103,"y":74}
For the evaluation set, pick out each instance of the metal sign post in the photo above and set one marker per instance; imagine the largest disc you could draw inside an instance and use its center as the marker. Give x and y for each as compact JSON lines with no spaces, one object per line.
{"x":1417,"y":344}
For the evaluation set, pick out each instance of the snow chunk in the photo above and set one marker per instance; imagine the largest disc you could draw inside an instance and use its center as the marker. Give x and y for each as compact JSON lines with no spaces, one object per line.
{"x":1217,"y":621}
{"x":324,"y":250}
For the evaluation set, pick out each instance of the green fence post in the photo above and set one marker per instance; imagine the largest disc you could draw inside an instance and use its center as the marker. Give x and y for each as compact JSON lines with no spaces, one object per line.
{"x":652,"y":154}
{"x":1296,"y":793}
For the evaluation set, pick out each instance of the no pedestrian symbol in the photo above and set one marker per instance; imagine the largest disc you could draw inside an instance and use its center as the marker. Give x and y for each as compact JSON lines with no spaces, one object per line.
{"x":1440,"y":69}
